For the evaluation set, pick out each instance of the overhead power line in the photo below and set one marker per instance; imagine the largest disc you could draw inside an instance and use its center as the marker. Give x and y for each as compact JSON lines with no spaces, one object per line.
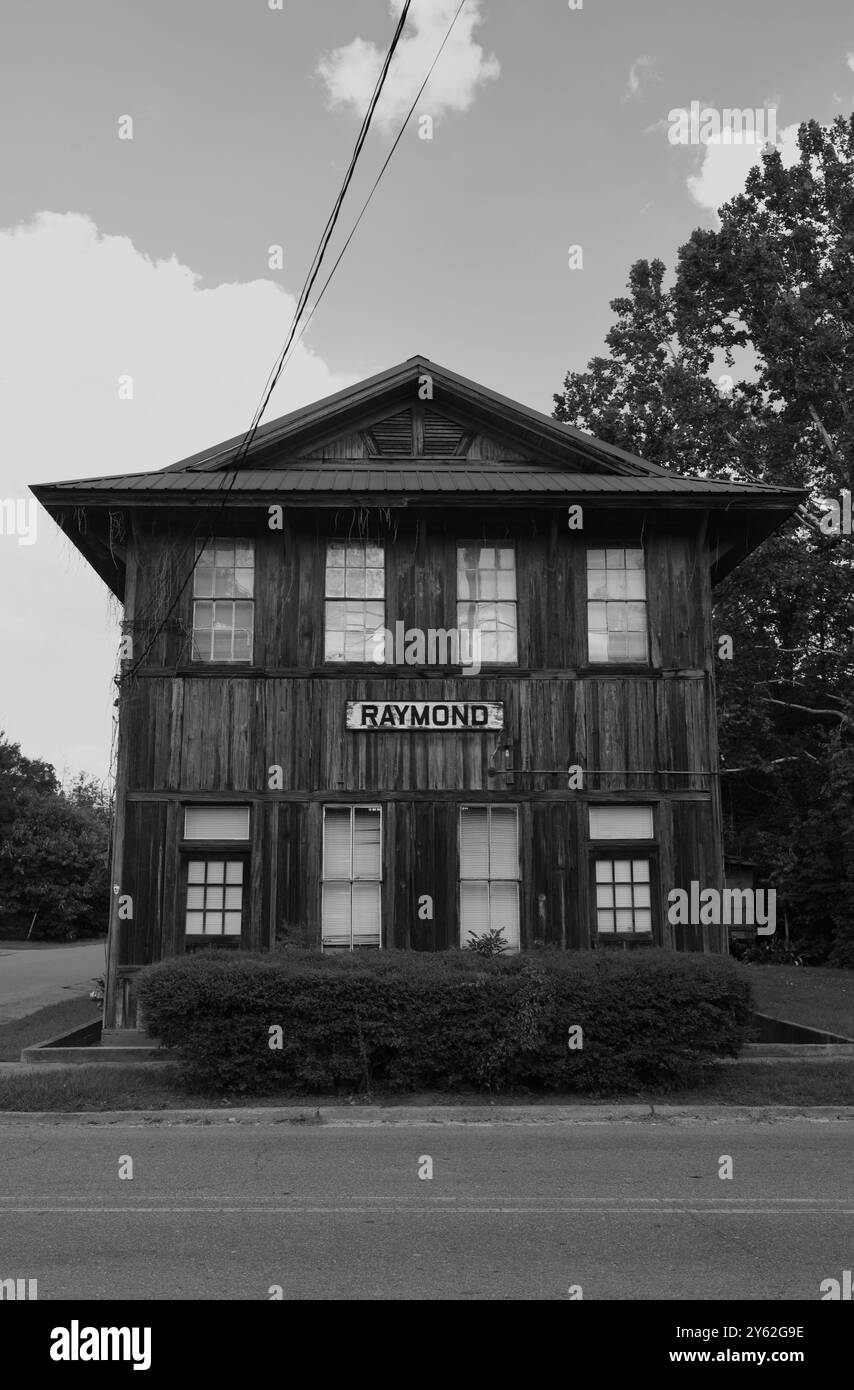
{"x":314,"y":270}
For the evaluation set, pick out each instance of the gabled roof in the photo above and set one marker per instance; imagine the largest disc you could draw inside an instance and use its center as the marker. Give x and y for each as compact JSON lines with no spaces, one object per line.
{"x":530,"y":459}
{"x":291,"y":434}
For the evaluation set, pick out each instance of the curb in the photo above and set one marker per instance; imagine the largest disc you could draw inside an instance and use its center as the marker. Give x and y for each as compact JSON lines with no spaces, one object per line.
{"x":352,"y":1117}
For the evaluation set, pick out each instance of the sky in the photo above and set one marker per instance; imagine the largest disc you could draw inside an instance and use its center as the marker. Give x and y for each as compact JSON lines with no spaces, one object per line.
{"x":155,"y":152}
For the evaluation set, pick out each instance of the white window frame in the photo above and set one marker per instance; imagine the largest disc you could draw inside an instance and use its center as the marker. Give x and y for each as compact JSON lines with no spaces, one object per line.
{"x":371,"y":651}
{"x":612,"y":605}
{"x":352,"y":807}
{"x":486,"y":603}
{"x":221,"y":604}
{"x":513,"y":947}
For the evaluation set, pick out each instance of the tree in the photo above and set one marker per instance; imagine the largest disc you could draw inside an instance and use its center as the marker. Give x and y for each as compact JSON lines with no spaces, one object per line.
{"x":773,"y":288}
{"x":53,"y":849}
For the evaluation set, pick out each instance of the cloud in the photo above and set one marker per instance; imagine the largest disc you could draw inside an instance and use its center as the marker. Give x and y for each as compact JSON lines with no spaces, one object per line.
{"x":79,"y":311}
{"x":726,"y":164}
{"x":350,"y":72}
{"x":641,"y":71}
{"x":850,"y":61}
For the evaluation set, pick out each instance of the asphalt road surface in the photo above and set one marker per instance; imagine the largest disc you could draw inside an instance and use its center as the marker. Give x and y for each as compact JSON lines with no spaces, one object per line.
{"x":30,"y":979}
{"x":625,"y":1210}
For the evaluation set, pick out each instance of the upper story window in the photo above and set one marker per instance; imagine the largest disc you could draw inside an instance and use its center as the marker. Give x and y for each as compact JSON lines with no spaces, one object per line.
{"x":223,"y":601}
{"x":616,"y":605}
{"x":355,"y":600}
{"x":486,"y":599}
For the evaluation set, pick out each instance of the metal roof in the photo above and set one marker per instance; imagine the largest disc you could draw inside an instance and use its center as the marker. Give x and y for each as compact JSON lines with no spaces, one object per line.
{"x":461,"y":477}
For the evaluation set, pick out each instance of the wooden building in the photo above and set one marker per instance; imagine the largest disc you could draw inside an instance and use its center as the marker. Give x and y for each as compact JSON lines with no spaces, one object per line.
{"x":426,"y":663}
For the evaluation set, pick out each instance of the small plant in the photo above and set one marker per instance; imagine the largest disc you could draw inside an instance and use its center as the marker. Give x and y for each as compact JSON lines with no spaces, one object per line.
{"x":768,"y":953}
{"x":98,"y":992}
{"x":491,"y":943}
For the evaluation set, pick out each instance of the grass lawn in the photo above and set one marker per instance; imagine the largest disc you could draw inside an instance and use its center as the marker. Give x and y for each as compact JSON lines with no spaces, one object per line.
{"x":45,"y":1023}
{"x":816,"y":996}
{"x":157,"y":1087}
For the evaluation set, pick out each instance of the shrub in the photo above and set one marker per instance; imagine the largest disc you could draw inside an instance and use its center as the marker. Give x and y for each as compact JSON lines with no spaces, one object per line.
{"x":491,"y":943}
{"x":404,"y":1021}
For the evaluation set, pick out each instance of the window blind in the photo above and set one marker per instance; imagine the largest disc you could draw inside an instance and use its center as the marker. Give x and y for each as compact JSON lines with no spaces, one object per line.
{"x":621,"y":823}
{"x":216,"y":823}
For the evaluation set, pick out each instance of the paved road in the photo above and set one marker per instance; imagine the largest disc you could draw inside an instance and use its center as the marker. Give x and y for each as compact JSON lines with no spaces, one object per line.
{"x":31,"y":979}
{"x":626,"y":1210}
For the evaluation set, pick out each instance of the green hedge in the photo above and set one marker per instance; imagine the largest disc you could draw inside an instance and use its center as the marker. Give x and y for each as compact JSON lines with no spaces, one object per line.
{"x":405,"y":1021}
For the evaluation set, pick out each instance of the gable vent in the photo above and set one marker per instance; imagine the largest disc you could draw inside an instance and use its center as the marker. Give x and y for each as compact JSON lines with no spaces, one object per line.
{"x":441,"y":436}
{"x":394,"y":435}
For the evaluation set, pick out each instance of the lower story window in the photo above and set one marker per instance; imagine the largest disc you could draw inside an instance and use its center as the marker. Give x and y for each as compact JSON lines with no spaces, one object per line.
{"x":623,"y":898}
{"x":214,"y":897}
{"x":489,"y":873}
{"x":352,"y":877}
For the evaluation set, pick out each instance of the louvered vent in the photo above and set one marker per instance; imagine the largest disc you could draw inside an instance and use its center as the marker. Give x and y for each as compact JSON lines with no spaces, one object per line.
{"x":441,"y":436}
{"x":394,"y":435}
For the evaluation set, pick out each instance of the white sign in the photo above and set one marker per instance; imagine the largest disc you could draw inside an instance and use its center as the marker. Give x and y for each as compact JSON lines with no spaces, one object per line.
{"x":461,"y":716}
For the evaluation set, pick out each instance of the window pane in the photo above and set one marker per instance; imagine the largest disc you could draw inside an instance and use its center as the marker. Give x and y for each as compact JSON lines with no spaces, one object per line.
{"x":474,"y":910}
{"x":615,"y":584}
{"x":336,"y":914}
{"x":196,"y":870}
{"x":334,"y":584}
{"x":621,"y":822}
{"x":643,"y":921}
{"x":216,"y":823}
{"x":635,"y":585}
{"x":234,"y":871}
{"x":504,"y":911}
{"x":622,"y":871}
{"x":336,"y":842}
{"x":375,"y":583}
{"x":640,"y":870}
{"x":355,"y":583}
{"x":366,"y":844}
{"x":596,"y":617}
{"x":503,"y":843}
{"x":604,"y":871}
{"x":596,"y":559}
{"x":366,"y":914}
{"x":605,"y":921}
{"x":474,"y":842}
{"x":232,"y":923}
{"x":195,"y":923}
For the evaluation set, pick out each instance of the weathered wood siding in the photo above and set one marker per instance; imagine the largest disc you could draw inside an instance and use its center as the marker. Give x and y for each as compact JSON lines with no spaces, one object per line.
{"x":201,"y":732}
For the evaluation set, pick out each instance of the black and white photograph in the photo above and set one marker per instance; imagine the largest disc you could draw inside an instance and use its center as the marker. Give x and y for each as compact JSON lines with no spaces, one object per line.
{"x":427,"y":686}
